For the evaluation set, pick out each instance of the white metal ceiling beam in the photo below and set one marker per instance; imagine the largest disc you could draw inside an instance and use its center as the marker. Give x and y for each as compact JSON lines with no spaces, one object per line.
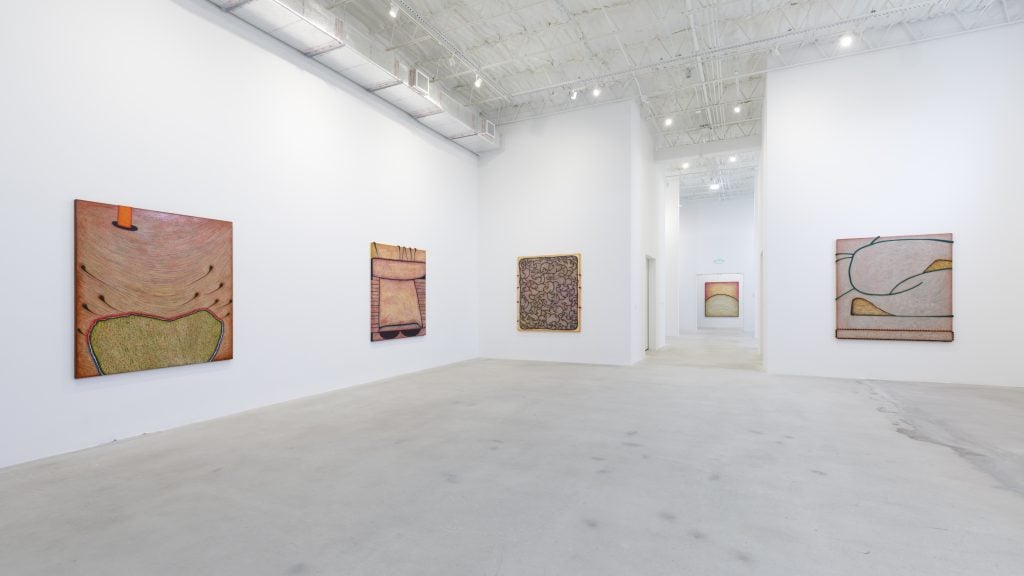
{"x":708,"y":148}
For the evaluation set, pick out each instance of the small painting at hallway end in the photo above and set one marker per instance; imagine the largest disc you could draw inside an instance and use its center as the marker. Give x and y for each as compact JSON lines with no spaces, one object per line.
{"x":721,"y":299}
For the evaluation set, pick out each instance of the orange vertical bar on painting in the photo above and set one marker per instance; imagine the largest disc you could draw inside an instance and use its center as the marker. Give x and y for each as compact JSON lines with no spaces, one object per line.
{"x":124,"y":216}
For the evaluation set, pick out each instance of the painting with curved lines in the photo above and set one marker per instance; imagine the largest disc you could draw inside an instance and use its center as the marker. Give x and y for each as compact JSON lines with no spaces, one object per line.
{"x":152,"y":289}
{"x":895,"y":288}
{"x":549,"y":293}
{"x":721,"y":299}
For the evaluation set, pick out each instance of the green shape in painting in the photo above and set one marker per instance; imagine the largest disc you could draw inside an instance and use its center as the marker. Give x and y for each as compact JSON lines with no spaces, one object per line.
{"x":137,"y":342}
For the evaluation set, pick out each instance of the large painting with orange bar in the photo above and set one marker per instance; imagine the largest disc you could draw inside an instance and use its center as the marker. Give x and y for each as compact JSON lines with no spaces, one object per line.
{"x":398,"y":292}
{"x":152,"y":289}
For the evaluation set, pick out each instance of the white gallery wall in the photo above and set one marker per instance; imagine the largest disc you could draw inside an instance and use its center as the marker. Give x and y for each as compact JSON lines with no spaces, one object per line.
{"x":647,"y":235}
{"x":176,"y":106}
{"x":560,"y":185}
{"x":718,"y":242}
{"x":917,"y":140}
{"x":672,"y":250}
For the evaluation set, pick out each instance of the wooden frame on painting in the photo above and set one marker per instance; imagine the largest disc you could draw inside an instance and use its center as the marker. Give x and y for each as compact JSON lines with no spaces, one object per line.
{"x":548,"y":290}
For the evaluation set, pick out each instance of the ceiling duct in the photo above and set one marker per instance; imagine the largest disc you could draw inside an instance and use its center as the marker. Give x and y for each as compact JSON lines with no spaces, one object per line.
{"x":411,"y":93}
{"x":313,"y":30}
{"x":484,"y":138}
{"x":303,"y":25}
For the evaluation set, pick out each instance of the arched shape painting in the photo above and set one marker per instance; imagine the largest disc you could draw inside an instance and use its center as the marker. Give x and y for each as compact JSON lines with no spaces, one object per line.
{"x":895,"y":288}
{"x":152,"y":289}
{"x":721,"y":299}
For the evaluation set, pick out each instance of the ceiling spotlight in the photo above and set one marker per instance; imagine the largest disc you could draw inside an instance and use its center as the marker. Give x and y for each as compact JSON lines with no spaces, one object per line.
{"x":574,"y":94}
{"x":394,"y":11}
{"x":732,"y":158}
{"x":737,"y":109}
{"x":478,"y":82}
{"x":715,"y":186}
{"x":846,"y":40}
{"x":697,"y":111}
{"x":597,"y":91}
{"x":668,"y":122}
{"x":686,"y":166}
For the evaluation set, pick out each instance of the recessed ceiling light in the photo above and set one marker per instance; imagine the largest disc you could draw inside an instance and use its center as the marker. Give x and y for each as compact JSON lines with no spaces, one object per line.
{"x":668,"y":122}
{"x":597,"y":91}
{"x":478,"y":82}
{"x":846,"y":40}
{"x":737,"y":109}
{"x":686,"y":165}
{"x":732,"y":158}
{"x":715,"y":186}
{"x":394,"y":11}
{"x":574,"y":94}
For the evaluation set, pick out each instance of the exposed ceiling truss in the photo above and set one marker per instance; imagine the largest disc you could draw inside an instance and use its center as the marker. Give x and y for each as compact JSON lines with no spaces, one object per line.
{"x":701,"y":63}
{"x":716,"y":176}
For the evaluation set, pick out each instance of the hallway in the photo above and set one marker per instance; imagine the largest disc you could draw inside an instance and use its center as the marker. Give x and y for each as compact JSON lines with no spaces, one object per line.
{"x":710,"y":348}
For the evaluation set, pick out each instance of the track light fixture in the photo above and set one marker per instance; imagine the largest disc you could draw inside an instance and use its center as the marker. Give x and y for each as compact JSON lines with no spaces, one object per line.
{"x":394,"y":11}
{"x":574,"y":95}
{"x":846,"y":40}
{"x":597,"y":91}
{"x":478,"y":82}
{"x":668,"y":122}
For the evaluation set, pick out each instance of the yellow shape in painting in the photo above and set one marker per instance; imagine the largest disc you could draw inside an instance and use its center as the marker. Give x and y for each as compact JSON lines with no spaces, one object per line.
{"x":861,"y":307}
{"x":135,"y":342}
{"x":721,"y":306}
{"x":939,"y":265}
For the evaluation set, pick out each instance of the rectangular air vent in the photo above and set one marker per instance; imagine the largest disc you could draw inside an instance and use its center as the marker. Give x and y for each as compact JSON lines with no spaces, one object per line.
{"x":488,"y":129}
{"x":419,"y":81}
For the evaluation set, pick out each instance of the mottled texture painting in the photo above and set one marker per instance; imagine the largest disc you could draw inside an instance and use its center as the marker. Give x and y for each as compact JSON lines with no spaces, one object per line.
{"x":895,"y":288}
{"x":398,"y":292}
{"x":152,"y":289}
{"x":721,"y":299}
{"x":549,"y":293}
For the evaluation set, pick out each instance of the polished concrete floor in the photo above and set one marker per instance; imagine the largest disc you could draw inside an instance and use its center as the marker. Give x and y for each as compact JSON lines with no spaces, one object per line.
{"x":718,"y":348}
{"x":520,"y":468}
